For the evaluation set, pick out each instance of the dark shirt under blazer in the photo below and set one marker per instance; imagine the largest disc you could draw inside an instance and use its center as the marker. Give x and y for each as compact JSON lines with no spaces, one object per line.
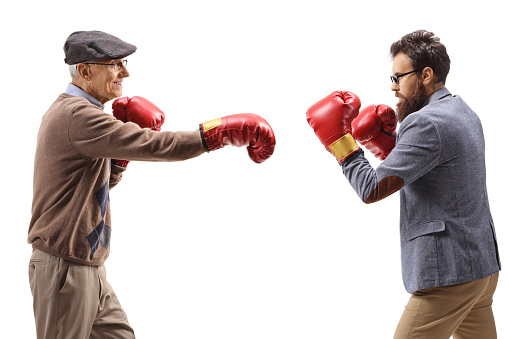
{"x":438,"y":164}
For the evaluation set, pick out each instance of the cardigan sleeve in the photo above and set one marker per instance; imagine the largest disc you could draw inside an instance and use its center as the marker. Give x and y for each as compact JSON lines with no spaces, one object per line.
{"x":96,"y":134}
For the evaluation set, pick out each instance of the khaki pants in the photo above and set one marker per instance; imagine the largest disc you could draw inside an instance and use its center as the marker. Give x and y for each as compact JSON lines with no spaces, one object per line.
{"x":461,"y":311}
{"x":73,"y":301}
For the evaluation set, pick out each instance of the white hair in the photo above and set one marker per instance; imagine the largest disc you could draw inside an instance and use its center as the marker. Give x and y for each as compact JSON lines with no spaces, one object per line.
{"x":73,"y":70}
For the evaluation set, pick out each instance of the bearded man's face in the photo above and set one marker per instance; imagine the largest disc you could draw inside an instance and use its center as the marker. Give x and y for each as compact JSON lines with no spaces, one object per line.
{"x":408,"y":86}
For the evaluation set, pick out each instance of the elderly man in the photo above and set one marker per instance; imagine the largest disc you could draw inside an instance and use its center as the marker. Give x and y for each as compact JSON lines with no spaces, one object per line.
{"x":450,"y":258}
{"x":70,"y":227}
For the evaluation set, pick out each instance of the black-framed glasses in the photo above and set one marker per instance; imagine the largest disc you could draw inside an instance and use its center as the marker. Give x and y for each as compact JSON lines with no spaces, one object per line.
{"x":117,"y":66}
{"x":395,"y":78}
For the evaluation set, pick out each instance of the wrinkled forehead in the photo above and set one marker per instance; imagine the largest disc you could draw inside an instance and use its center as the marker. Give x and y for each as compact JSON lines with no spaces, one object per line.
{"x":107,"y":61}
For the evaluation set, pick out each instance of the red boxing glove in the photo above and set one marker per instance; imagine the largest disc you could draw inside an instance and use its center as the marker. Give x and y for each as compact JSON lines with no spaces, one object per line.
{"x":331,"y":119}
{"x":140,"y":111}
{"x":375,"y":128}
{"x":239,"y":130}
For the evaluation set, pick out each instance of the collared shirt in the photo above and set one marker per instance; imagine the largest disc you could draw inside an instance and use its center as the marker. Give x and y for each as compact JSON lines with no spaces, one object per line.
{"x":78,"y":92}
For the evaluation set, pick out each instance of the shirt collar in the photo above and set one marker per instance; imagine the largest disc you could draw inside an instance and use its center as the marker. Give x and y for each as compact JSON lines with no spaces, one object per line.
{"x":78,"y":92}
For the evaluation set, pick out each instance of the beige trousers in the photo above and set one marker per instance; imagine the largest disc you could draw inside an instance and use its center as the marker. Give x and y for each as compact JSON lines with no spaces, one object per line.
{"x":462,"y":311}
{"x":73,"y":301}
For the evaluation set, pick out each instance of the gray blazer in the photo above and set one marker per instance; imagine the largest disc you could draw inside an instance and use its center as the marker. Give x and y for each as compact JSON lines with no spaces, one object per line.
{"x":446,"y":228}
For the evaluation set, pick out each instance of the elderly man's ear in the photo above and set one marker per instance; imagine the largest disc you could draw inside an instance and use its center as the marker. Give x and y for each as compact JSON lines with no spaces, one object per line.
{"x":84,"y":71}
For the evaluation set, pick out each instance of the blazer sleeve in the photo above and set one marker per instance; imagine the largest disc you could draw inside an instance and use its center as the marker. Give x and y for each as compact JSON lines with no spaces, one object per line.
{"x":417,"y":151}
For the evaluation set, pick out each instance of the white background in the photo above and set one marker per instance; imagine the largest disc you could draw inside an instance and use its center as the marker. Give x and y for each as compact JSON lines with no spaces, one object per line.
{"x":218,"y":246}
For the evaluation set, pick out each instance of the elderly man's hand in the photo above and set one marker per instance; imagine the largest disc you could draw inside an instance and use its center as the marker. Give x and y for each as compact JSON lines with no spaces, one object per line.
{"x":139,"y":111}
{"x":245,"y":129}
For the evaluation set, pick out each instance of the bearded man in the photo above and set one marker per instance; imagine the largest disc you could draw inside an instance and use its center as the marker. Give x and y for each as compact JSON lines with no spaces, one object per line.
{"x":449,"y":251}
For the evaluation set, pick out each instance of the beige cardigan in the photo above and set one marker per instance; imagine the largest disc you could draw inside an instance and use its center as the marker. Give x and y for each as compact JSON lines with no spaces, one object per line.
{"x":73,"y":175}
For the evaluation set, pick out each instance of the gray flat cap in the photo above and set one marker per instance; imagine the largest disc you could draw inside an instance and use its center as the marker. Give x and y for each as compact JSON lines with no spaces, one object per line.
{"x":95,"y":45}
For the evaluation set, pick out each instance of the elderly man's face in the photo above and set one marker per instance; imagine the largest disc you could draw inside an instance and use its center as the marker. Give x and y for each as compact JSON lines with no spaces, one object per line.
{"x":105,"y":81}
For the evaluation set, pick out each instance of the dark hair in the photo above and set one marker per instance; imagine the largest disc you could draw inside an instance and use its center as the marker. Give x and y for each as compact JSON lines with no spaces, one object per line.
{"x":425,"y":50}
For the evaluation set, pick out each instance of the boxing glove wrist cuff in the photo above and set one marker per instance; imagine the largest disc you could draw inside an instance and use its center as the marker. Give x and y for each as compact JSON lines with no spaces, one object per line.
{"x":343,"y":147}
{"x":122,"y":163}
{"x":210,"y":141}
{"x":203,"y":139}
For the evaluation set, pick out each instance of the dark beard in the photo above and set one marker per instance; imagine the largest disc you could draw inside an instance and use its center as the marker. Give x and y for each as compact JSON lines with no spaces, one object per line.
{"x":408,"y":106}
